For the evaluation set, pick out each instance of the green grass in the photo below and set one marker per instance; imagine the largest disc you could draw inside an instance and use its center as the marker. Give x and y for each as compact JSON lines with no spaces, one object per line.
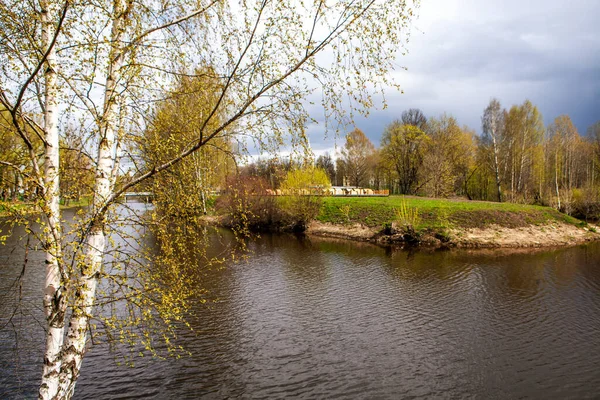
{"x":10,"y":207}
{"x":437,"y":214}
{"x":82,"y":202}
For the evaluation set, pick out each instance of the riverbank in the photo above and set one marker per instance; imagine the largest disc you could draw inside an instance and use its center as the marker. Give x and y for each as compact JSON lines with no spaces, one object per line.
{"x":416,"y":221}
{"x":550,"y":235}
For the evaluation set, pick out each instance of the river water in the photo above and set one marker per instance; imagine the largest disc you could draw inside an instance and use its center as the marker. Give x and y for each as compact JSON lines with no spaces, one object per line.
{"x":316,"y":318}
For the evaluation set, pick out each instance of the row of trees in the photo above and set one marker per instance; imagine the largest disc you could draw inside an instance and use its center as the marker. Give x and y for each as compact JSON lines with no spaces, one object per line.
{"x":515,"y":159}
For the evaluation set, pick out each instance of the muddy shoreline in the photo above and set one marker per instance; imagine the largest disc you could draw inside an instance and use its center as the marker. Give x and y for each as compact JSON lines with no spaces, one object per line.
{"x":547,"y":236}
{"x":552,"y":235}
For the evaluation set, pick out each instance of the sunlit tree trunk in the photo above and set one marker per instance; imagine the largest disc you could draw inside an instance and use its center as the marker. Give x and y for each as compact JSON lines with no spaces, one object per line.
{"x":54,"y":290}
{"x":524,"y":140}
{"x":497,"y":167}
{"x":556,"y":172}
{"x":492,"y":127}
{"x":103,"y":188}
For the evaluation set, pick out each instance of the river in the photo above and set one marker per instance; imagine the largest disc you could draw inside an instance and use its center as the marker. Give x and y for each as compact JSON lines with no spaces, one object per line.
{"x":316,"y":318}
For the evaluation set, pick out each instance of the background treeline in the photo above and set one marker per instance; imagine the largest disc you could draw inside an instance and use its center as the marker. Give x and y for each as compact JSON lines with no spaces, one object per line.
{"x":516,"y":159}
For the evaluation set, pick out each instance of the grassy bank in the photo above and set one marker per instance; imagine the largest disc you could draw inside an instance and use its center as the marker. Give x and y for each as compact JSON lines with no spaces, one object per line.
{"x":435,"y":214}
{"x":10,"y":208}
{"x":83,"y":201}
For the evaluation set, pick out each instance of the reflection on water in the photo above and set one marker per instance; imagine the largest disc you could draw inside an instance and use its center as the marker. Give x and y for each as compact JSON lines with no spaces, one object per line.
{"x":332,"y":319}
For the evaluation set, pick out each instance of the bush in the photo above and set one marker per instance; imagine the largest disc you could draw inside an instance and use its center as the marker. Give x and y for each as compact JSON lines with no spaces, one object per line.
{"x":586,"y":204}
{"x":250,"y":204}
{"x":299,"y":210}
{"x":303,"y":202}
{"x":247,"y":206}
{"x":407,"y":217}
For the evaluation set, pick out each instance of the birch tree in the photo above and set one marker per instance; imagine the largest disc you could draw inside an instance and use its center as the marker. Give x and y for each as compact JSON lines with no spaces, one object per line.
{"x":593,"y":135}
{"x":563,"y":139}
{"x":104,"y":63}
{"x":523,"y":132}
{"x":493,"y":126}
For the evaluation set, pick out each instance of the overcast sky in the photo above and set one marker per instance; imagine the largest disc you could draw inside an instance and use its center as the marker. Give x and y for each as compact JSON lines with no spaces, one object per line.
{"x":464,"y":52}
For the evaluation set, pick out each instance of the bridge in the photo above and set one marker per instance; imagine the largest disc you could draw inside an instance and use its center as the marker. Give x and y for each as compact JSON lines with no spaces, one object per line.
{"x":144,"y":197}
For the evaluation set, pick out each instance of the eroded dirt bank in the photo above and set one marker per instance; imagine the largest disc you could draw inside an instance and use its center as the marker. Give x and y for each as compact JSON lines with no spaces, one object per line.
{"x":554,"y":234}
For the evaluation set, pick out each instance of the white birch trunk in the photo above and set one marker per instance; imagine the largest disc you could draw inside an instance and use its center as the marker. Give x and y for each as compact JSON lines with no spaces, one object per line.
{"x":556,"y":172}
{"x":524,"y":140}
{"x":54,"y":302}
{"x":496,"y":165}
{"x":75,"y":345}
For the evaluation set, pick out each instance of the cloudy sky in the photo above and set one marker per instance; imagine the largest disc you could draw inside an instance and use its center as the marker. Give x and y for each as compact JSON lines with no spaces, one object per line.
{"x":464,"y":52}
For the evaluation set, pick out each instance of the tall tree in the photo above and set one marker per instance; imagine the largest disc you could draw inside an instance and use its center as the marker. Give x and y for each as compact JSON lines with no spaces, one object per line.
{"x":523,"y":134}
{"x":493,"y":126}
{"x":340,"y":172}
{"x":563,"y":142}
{"x":325,"y":162}
{"x":448,"y":157}
{"x":593,"y":136}
{"x":174,"y":124}
{"x":358,"y":154}
{"x":103,"y":62}
{"x":414,"y":117}
{"x":404,"y":147}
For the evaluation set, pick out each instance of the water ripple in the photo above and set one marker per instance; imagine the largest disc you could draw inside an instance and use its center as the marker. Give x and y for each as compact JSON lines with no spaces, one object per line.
{"x":322,"y":319}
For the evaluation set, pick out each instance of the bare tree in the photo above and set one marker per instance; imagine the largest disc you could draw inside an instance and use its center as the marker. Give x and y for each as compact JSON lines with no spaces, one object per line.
{"x":325,"y":162}
{"x":414,"y":117}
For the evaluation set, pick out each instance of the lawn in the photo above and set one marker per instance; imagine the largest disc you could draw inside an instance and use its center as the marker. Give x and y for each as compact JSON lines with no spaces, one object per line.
{"x":436,"y":213}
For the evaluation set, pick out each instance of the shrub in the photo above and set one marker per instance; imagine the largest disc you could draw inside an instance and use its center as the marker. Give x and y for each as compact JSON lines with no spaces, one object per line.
{"x":247,"y":206}
{"x":586,"y":204}
{"x":304,"y":188}
{"x":407,"y":217}
{"x":345,"y":210}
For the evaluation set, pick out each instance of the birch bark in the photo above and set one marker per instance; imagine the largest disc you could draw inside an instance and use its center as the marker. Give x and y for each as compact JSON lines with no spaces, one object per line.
{"x":54,"y":289}
{"x":75,"y":344}
{"x":492,"y":126}
{"x":496,"y":163}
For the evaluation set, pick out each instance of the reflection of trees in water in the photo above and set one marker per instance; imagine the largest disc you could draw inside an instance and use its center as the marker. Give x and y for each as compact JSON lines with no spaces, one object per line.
{"x":527,"y":274}
{"x":301,"y":258}
{"x":425,"y":264}
{"x":570,"y":263}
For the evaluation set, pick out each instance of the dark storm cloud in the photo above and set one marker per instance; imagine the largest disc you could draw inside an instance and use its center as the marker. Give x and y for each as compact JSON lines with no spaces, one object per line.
{"x":470,"y":51}
{"x":464,"y":52}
